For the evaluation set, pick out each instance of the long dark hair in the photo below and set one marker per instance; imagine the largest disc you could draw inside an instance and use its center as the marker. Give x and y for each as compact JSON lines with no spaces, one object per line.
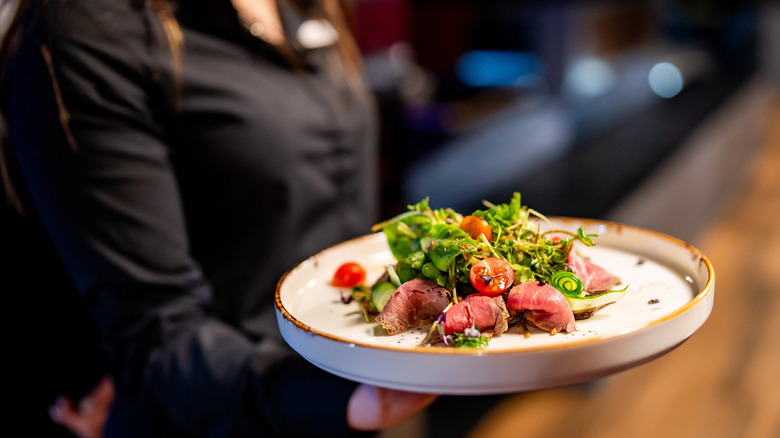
{"x":337,"y":12}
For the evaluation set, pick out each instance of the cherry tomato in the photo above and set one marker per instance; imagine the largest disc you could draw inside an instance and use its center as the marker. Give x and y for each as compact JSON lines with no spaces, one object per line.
{"x":348,"y":275}
{"x":475,"y":226}
{"x":492,"y":276}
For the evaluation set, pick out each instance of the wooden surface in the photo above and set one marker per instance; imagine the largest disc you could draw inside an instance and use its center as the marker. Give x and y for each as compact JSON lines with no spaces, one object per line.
{"x":725,"y":380}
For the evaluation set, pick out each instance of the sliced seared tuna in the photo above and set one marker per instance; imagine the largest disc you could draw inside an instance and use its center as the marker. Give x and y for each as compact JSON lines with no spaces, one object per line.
{"x":478,"y":310}
{"x":594,"y":278}
{"x":544,"y":306}
{"x":412,"y":304}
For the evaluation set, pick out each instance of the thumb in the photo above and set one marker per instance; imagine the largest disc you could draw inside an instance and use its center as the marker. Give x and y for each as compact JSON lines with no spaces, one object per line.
{"x":374,"y":408}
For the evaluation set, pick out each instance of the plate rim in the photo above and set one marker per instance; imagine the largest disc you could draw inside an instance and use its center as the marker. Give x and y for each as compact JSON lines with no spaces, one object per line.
{"x":705,"y":290}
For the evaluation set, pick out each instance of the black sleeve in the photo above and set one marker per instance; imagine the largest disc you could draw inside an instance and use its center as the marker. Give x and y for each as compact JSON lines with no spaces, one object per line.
{"x":85,"y":122}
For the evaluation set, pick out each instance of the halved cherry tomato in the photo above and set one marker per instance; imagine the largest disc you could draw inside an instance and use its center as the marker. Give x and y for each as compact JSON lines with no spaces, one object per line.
{"x":475,"y":226}
{"x":492,"y":276}
{"x":348,"y":275}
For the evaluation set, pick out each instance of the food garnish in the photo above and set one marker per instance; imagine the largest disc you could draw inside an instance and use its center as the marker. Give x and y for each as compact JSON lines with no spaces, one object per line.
{"x":495,"y":266}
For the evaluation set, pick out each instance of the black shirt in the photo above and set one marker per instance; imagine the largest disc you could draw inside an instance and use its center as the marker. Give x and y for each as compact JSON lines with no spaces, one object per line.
{"x":176,"y":210}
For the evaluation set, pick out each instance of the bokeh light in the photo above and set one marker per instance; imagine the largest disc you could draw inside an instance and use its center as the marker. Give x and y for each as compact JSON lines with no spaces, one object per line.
{"x":666,"y":80}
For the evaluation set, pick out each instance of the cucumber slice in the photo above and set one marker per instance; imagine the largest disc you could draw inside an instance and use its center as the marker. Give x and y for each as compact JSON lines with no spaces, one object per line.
{"x":585,"y":307}
{"x":381,"y":293}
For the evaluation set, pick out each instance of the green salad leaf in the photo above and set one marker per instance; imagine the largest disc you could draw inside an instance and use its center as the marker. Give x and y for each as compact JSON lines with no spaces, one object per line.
{"x":445,"y":242}
{"x":406,"y":231}
{"x":459,"y":340}
{"x":430,"y":243}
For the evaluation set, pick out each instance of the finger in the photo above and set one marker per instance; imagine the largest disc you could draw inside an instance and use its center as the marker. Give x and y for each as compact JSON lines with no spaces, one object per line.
{"x":64,"y":413}
{"x":374,"y":408}
{"x":103,"y":392}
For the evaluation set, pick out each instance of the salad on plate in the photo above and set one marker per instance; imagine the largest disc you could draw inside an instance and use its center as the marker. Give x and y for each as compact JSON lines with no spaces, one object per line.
{"x":473,"y":277}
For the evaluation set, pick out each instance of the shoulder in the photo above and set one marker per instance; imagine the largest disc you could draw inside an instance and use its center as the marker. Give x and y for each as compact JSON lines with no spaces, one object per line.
{"x":93,"y":64}
{"x":97,"y":21}
{"x":120,"y":33}
{"x":106,"y":55}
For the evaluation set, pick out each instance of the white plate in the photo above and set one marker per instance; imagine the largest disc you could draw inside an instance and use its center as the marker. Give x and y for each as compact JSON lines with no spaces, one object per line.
{"x":670,"y":295}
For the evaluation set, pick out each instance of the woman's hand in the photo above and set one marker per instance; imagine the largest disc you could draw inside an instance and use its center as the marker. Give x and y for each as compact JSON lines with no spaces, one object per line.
{"x":87,"y":418}
{"x":374,"y":408}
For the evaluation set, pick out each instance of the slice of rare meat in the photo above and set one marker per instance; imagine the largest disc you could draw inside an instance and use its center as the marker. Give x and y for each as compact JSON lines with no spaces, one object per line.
{"x":544,"y":306}
{"x":483,"y":311}
{"x":413,"y":303}
{"x":594,"y":278}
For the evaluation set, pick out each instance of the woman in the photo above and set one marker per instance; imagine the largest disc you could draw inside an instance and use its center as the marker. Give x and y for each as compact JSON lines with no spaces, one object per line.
{"x":181,"y":156}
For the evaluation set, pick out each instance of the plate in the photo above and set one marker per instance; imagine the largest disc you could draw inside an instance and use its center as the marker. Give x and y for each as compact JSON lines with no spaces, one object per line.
{"x":670,"y":295}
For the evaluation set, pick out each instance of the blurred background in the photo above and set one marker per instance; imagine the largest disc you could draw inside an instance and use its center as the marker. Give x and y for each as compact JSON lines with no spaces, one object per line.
{"x":661,"y":114}
{"x":575,"y":104}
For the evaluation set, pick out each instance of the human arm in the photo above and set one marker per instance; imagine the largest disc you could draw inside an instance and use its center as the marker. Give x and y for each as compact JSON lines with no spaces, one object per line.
{"x":370,"y":408}
{"x":90,"y":133}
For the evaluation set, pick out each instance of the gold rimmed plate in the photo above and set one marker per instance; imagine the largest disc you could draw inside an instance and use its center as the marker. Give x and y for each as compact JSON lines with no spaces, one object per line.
{"x":670,"y":296}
